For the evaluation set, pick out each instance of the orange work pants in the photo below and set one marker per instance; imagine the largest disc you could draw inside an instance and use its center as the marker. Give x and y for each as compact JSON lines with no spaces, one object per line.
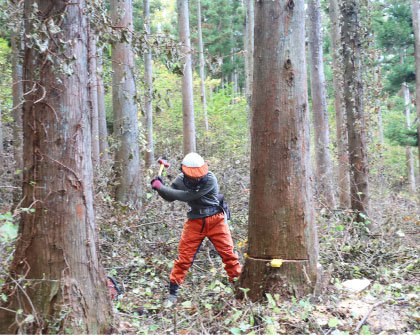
{"x":194,"y":232}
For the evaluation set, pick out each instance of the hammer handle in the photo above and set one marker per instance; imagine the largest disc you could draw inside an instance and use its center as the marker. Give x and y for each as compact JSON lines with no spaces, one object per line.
{"x":161,"y":169}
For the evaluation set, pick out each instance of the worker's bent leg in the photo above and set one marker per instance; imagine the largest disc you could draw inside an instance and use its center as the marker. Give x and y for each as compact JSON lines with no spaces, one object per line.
{"x":219,"y":234}
{"x":191,"y":238}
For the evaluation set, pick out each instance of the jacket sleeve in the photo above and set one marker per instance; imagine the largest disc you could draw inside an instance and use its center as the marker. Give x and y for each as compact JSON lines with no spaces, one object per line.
{"x":172,"y":193}
{"x":164,"y":194}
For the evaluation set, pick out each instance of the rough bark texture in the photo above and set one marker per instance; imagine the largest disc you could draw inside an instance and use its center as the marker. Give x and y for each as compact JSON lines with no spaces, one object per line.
{"x":17,"y":92}
{"x":416,"y":27}
{"x":187,"y":83}
{"x":127,"y":156}
{"x":148,"y":90}
{"x":408,"y":150}
{"x":319,"y":107}
{"x":56,"y":251}
{"x":281,"y":213}
{"x":103,"y":131}
{"x":93,"y":97}
{"x":353,"y":102}
{"x":249,"y":47}
{"x":202,"y":69}
{"x":342,"y":139}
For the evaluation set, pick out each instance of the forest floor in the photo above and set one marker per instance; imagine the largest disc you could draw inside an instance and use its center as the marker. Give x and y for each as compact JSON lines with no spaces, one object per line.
{"x":138,"y":249}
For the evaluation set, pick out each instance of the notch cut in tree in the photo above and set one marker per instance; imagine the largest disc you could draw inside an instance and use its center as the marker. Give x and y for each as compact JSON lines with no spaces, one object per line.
{"x":281,"y":211}
{"x":56,"y":279}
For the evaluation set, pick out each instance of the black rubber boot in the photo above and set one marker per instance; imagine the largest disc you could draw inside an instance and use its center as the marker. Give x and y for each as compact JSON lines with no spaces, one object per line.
{"x":173,"y":293}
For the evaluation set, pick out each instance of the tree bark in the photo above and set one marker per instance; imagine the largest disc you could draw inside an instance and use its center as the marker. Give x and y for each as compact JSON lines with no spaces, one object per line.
{"x":202,"y":69}
{"x":148,"y":91}
{"x":342,"y":139}
{"x":249,"y":47}
{"x":353,"y":102}
{"x":416,"y":27}
{"x":127,"y":155}
{"x":93,"y":97}
{"x":408,"y":151}
{"x":187,"y":83}
{"x":56,"y":275}
{"x":319,"y":107}
{"x":103,"y":132}
{"x":281,"y":213}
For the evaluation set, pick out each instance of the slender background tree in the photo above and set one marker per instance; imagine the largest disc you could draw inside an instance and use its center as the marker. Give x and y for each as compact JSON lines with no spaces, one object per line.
{"x":124,"y":105}
{"x":187,"y":83}
{"x":319,"y":107}
{"x":354,"y":107}
{"x":341,"y":130}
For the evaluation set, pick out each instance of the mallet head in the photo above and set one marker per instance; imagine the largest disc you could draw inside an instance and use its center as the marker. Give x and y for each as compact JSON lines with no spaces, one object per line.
{"x":161,"y":161}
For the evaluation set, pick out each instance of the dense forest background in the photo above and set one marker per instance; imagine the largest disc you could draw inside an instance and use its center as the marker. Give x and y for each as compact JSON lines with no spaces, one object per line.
{"x":139,"y":232}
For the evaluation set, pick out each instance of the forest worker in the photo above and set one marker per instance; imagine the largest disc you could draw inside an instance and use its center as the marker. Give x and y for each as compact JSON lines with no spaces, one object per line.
{"x":197,"y":186}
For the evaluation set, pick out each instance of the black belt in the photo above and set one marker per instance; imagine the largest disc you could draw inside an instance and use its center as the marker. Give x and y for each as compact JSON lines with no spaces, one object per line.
{"x":207,"y":211}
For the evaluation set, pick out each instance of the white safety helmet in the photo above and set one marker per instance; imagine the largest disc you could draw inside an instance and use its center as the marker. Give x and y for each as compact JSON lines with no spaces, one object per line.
{"x":194,"y":166}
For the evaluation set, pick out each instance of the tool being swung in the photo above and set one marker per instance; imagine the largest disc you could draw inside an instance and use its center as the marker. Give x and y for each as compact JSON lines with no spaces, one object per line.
{"x":163,"y":163}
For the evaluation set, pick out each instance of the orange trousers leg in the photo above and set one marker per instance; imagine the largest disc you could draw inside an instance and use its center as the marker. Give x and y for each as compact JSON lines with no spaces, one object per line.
{"x":215,"y":228}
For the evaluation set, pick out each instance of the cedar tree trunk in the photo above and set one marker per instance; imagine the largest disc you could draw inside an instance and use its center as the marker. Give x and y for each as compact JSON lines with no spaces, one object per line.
{"x":103,"y":132}
{"x":416,"y":27}
{"x":249,"y":47}
{"x":342,"y":139}
{"x":202,"y":70}
{"x":319,"y":107}
{"x":124,"y":104}
{"x":281,"y":212}
{"x":187,"y":81}
{"x":93,"y":97}
{"x":148,"y":90}
{"x":56,"y":278}
{"x":353,"y":102}
{"x":408,"y":150}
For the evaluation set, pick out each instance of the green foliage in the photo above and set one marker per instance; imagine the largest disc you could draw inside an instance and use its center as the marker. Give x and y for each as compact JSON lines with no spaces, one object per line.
{"x":222,"y":28}
{"x":394,"y":35}
{"x":395,"y":126}
{"x":8,"y":231}
{"x":5,"y":75}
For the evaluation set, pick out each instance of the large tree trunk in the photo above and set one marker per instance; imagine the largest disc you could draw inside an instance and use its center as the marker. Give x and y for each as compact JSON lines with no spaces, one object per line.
{"x":342,"y":139}
{"x":148,"y":91}
{"x":56,"y":278}
{"x":202,"y":69}
{"x":281,"y":213}
{"x":103,"y":132}
{"x":127,"y":156}
{"x":319,"y":107}
{"x":408,"y":151}
{"x":416,"y":27}
{"x":249,"y":47}
{"x":187,"y":83}
{"x":93,"y":97}
{"x":353,"y":102}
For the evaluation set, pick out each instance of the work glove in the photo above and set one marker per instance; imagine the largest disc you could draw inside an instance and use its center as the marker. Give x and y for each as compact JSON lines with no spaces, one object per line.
{"x":157,"y":178}
{"x":157,"y":184}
